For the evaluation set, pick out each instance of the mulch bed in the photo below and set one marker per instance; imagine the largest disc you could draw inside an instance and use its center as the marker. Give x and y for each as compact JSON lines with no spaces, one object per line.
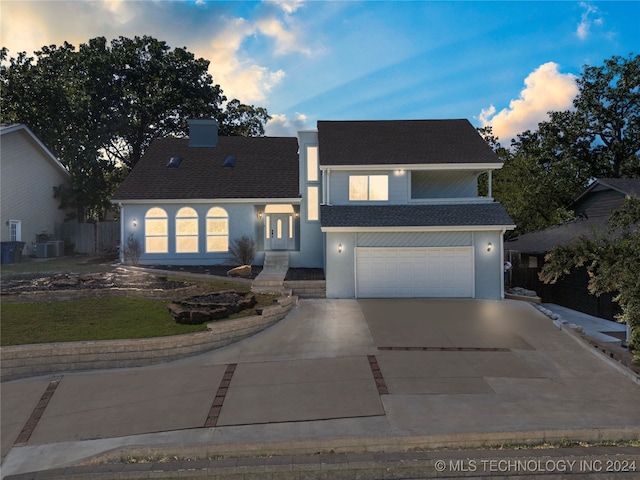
{"x":221,"y":270}
{"x":304,"y":274}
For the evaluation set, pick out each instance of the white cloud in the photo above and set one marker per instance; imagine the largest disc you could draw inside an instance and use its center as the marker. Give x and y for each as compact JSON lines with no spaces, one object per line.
{"x":120,"y":12}
{"x":584,"y":27}
{"x":287,"y":41}
{"x":546,"y":89}
{"x":281,"y":126}
{"x":239,"y":78}
{"x":288,"y":6}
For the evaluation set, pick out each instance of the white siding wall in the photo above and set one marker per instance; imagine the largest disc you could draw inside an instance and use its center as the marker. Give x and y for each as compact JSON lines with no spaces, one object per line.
{"x":27,"y":180}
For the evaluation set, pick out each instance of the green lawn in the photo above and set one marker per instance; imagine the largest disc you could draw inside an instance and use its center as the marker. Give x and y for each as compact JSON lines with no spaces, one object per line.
{"x":88,"y":319}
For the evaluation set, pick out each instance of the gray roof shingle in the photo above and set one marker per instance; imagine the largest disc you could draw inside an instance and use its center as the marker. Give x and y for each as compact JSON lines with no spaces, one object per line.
{"x":388,"y":142}
{"x":471,"y":215}
{"x":266,"y":167}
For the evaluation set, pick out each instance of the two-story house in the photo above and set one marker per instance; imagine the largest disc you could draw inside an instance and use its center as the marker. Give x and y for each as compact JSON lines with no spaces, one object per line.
{"x":386,"y":208}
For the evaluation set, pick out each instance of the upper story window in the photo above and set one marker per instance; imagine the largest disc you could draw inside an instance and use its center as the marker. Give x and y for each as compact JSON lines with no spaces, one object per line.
{"x":368,"y":188}
{"x":156,"y":231}
{"x":217,"y":230}
{"x":312,"y":164}
{"x":313,"y":204}
{"x":187,"y":230}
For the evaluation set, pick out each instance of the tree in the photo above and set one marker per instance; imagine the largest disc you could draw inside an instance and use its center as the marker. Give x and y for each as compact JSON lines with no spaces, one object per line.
{"x":544,"y":170}
{"x":612,"y":259}
{"x":608,"y":114}
{"x":99,"y":107}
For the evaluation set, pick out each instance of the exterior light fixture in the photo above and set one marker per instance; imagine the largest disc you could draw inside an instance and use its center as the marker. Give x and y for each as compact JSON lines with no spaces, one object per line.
{"x":340,"y":248}
{"x":297,"y":214}
{"x":134,"y":222}
{"x":489,"y":247}
{"x":259,"y":214}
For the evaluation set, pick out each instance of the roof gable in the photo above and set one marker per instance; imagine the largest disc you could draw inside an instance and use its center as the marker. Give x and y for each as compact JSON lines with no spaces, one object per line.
{"x":265,"y":167}
{"x":21,"y":128}
{"x":389,"y":142}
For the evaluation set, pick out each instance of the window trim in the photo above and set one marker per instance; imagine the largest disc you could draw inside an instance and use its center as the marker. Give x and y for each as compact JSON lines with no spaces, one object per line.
{"x":219,"y":216}
{"x":188,"y":214}
{"x":156,"y":214}
{"x":316,"y":203}
{"x":369,"y":189}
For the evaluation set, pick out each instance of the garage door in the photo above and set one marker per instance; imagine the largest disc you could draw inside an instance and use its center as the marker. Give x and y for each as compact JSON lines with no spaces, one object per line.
{"x":414,"y":272}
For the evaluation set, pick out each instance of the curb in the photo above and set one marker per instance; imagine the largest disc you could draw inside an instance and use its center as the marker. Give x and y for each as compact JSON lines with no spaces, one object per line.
{"x":584,"y":462}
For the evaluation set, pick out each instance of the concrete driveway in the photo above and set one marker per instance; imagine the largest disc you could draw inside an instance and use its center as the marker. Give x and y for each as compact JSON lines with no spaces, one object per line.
{"x":337,"y":372}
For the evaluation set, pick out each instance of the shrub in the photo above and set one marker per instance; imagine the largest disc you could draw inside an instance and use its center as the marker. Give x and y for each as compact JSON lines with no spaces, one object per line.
{"x":243,"y":250}
{"x":132,"y":250}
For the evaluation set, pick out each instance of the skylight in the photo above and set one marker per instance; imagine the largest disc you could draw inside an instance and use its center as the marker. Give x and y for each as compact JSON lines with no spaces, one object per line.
{"x":229,"y":161}
{"x":174,"y":162}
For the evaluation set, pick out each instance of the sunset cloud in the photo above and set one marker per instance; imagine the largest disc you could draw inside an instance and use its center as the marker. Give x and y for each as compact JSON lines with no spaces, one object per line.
{"x":546,"y":89}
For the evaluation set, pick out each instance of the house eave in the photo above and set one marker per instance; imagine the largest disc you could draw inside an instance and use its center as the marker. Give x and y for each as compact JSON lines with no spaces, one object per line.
{"x":174,"y":201}
{"x":432,"y":228}
{"x":417,"y":166}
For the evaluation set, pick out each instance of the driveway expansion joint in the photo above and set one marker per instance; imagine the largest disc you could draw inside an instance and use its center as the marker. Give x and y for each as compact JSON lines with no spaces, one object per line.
{"x":445,"y":349}
{"x":381,"y":385}
{"x":218,"y":401}
{"x":36,"y":415}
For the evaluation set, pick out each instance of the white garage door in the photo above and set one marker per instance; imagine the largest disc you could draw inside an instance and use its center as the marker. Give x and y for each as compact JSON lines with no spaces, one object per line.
{"x":414,"y":272}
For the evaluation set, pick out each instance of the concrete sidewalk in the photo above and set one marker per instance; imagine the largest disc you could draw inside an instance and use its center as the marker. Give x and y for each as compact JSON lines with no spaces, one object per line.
{"x":335,"y":375}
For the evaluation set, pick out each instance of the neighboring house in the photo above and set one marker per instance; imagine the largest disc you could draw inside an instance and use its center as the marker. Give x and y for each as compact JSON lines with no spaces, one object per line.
{"x":386,"y":208}
{"x":29,"y":172}
{"x":592,"y":209}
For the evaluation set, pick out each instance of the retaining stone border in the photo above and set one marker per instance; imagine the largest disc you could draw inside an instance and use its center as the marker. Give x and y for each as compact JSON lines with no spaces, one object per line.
{"x":23,"y":361}
{"x":307,"y":288}
{"x":64,"y":295}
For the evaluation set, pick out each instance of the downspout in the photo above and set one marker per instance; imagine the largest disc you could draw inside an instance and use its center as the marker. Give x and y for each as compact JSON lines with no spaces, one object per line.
{"x":504,"y":230}
{"x":121,"y":249}
{"x":490,"y":191}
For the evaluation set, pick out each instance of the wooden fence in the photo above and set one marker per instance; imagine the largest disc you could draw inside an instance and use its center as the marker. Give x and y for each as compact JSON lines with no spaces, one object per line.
{"x":92,"y":237}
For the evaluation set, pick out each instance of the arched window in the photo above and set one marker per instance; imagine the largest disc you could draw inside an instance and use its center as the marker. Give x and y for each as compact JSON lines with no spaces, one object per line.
{"x":156,"y":231}
{"x":187,"y":230}
{"x":217,"y":230}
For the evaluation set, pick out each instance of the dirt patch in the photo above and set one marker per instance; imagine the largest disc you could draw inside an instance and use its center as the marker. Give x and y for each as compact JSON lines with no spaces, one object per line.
{"x":217,"y":270}
{"x":119,"y":278}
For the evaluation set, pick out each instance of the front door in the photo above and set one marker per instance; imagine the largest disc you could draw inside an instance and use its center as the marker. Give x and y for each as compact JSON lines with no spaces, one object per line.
{"x":280,"y":231}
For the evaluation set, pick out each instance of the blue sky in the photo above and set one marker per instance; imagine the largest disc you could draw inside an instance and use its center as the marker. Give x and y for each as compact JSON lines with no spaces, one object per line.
{"x":499,"y":63}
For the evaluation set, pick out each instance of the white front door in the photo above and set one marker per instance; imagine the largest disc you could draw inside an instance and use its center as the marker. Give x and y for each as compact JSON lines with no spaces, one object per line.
{"x":280,"y":232}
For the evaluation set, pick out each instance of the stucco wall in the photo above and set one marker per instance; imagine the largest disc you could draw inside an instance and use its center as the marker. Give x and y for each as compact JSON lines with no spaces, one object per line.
{"x":28,"y":176}
{"x":489,"y":275}
{"x":311,"y":239}
{"x":340,"y":269}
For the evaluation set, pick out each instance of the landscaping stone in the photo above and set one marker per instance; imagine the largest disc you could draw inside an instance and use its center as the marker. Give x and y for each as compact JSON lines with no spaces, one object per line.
{"x":205,"y":308}
{"x":241,"y":271}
